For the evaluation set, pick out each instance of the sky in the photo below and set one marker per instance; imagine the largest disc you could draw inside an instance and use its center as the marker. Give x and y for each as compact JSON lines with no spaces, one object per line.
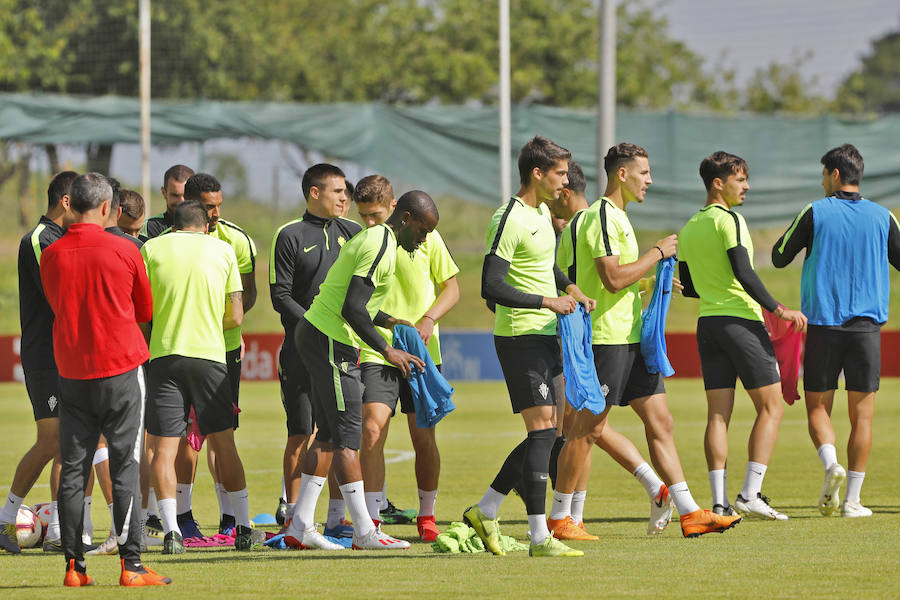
{"x":752,"y":34}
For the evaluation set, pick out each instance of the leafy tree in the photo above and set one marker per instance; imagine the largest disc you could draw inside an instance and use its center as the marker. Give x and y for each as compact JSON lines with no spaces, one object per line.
{"x":876,"y":85}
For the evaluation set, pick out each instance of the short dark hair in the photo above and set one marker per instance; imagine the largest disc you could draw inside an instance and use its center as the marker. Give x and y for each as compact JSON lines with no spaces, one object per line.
{"x":541,"y":153}
{"x":576,"y":178}
{"x":316,"y":175}
{"x":350,"y":187}
{"x":190,"y":213}
{"x":620,"y":154}
{"x":418,"y":204}
{"x":60,"y":186}
{"x":178,"y":173}
{"x":374,"y":188}
{"x":847,"y":160}
{"x":721,"y":164}
{"x":132,"y":203}
{"x":200,"y":183}
{"x":89,"y":191}
{"x":116,"y":188}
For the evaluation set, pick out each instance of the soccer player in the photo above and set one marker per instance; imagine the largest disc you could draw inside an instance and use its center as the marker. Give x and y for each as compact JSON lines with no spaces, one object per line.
{"x":207,"y":190}
{"x":131,"y":219}
{"x":302,"y":252}
{"x":173,"y":193}
{"x":849,"y":243}
{"x":39,"y":366}
{"x":412,"y":298}
{"x":611,"y":268}
{"x":569,"y":525}
{"x":343,"y":316}
{"x":116,"y":211}
{"x":716,"y":265}
{"x":521,"y":279}
{"x":98,"y":290}
{"x":196,"y":294}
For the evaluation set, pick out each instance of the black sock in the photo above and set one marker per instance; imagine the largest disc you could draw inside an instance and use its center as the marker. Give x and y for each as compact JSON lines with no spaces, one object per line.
{"x":81,"y":566}
{"x":554,"y":458}
{"x":134,"y":565}
{"x":511,"y":471}
{"x":534,"y":469}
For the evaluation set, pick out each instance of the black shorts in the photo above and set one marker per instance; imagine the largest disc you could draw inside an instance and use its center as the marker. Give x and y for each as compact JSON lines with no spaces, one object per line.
{"x":829,"y":351}
{"x":732,"y":347}
{"x":385,"y":384}
{"x":43,"y":391}
{"x":623,"y":374}
{"x":179,"y":382}
{"x":530,"y":364}
{"x":295,"y":387}
{"x":336,"y":388}
{"x":233,"y":362}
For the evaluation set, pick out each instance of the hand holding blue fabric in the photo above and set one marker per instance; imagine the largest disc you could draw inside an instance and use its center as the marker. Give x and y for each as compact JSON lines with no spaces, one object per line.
{"x":430,"y":390}
{"x":582,"y":387}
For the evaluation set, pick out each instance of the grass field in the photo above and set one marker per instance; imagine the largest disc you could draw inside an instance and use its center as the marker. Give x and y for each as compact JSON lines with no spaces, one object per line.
{"x":807,"y":556}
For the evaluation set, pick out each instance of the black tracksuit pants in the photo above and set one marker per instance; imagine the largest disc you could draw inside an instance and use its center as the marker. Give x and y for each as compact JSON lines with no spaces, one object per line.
{"x":113,"y":406}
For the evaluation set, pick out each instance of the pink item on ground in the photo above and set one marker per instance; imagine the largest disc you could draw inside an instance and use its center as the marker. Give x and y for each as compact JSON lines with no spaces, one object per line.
{"x":209,"y":542}
{"x":788,"y":346}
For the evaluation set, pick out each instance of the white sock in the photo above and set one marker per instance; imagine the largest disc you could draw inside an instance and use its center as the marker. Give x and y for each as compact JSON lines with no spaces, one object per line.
{"x":168,"y":513}
{"x":240,"y":501}
{"x":354,"y":496}
{"x":337,"y":508}
{"x":753,"y":480}
{"x":289,"y":512}
{"x":426,"y":502}
{"x":283,"y":488}
{"x":373,"y":505}
{"x":88,"y":527}
{"x":649,"y":479}
{"x":304,"y":512}
{"x":684,"y":502}
{"x":490,"y":502}
{"x":562,"y":505}
{"x":112,"y":519}
{"x":144,"y":515}
{"x":538,"y":526}
{"x":11,"y":509}
{"x":828,"y":455}
{"x":152,"y":504}
{"x":718,"y":484}
{"x":183,"y":493}
{"x":224,"y":500}
{"x":854,"y":485}
{"x":53,"y":532}
{"x":578,"y":499}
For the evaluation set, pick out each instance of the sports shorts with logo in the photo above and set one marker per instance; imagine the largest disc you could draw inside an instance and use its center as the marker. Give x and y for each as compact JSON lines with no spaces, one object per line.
{"x":855,"y":351}
{"x":623,"y":374}
{"x":179,"y":382}
{"x":233,"y":362}
{"x":732,"y":347}
{"x":295,"y":390}
{"x":43,"y":390}
{"x":530,"y":364}
{"x":385,"y":384}
{"x":335,"y":386}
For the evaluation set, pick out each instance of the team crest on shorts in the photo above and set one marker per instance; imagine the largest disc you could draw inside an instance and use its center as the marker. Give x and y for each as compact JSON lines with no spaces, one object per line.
{"x":544,"y":390}
{"x":341,"y":241}
{"x":605,"y":389}
{"x":344,"y":366}
{"x":51,"y":402}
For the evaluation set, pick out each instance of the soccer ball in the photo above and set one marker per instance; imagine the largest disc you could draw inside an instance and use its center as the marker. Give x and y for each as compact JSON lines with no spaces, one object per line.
{"x":42,"y":510}
{"x":28,"y":528}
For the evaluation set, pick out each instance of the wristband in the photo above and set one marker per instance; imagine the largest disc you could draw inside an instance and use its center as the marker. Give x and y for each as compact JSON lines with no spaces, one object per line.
{"x":429,"y":317}
{"x":661,"y":254}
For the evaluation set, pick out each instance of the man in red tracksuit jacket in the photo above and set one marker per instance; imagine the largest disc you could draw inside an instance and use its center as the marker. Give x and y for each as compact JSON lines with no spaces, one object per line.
{"x":97,"y":287}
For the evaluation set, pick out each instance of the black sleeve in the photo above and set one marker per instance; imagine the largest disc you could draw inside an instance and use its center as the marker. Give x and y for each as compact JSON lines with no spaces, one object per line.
{"x":749,"y":280}
{"x":359,"y":291}
{"x":894,"y":245}
{"x":495,"y":290}
{"x":798,"y":236}
{"x":284,"y":256}
{"x":562,"y":281}
{"x":684,"y":274}
{"x":381,"y":319}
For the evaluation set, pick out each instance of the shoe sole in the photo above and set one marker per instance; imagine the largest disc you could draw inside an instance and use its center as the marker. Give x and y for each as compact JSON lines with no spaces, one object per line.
{"x":722,"y":530}
{"x":747,"y":513}
{"x":829,"y":502}
{"x":482,"y":535}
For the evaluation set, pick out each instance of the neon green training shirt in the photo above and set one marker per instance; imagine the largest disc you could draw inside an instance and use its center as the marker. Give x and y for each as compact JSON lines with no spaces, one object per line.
{"x":523,"y":236}
{"x":245,"y":251}
{"x":603,"y":230}
{"x":412,"y":292}
{"x":190,"y":274}
{"x":371,"y":253}
{"x":703,"y":244}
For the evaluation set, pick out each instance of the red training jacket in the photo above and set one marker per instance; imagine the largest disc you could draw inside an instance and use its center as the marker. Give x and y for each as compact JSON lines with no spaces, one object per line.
{"x":97,"y":286}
